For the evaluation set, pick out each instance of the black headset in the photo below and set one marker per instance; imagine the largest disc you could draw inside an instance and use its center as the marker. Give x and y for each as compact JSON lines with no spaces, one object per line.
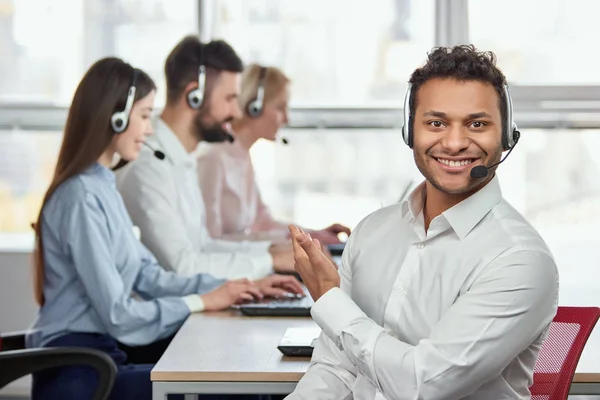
{"x":254,"y":108}
{"x":120,"y":119}
{"x":195,"y":97}
{"x":510,"y":135}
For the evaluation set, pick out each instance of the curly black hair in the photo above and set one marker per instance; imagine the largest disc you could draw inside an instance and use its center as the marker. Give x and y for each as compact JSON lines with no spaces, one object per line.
{"x":463,"y":63}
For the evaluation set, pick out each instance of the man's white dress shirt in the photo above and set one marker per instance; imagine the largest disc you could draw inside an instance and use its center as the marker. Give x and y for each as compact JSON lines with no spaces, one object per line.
{"x":457,"y":312}
{"x":164,"y":201}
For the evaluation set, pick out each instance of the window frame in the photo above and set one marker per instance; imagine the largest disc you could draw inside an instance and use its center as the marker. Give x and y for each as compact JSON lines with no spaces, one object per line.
{"x":535,"y":106}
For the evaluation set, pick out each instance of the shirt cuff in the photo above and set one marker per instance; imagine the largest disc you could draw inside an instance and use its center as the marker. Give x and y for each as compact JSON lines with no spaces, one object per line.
{"x":334,"y":312}
{"x":194,"y":303}
{"x":352,"y":331}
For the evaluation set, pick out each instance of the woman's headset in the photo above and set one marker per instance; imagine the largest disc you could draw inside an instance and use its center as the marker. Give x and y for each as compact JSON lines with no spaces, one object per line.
{"x":120,"y":119}
{"x":510,"y":135}
{"x":255,"y":107}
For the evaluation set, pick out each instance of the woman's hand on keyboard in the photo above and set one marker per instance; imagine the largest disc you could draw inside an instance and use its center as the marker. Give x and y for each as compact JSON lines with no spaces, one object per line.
{"x":279,"y":285}
{"x":231,"y":292}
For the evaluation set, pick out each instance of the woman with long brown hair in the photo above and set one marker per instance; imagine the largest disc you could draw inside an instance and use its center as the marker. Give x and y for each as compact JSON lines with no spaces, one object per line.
{"x":88,"y":260}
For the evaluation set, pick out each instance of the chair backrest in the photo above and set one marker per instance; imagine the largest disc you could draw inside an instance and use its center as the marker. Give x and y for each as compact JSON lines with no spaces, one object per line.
{"x":560,"y":352}
{"x":16,"y":362}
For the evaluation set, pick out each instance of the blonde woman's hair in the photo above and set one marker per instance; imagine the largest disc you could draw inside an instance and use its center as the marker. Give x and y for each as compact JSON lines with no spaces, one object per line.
{"x":274,"y":82}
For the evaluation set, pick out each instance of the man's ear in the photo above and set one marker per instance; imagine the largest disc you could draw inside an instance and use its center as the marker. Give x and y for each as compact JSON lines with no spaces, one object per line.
{"x":189,"y":87}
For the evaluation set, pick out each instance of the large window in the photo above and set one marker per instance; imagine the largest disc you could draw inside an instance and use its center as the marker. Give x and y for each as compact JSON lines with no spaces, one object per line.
{"x":373,"y":168}
{"x":27,"y":161}
{"x":552,"y":177}
{"x":540,"y":42}
{"x":46,"y":46}
{"x":346,"y":54}
{"x":329,"y":175}
{"x":337,"y":52}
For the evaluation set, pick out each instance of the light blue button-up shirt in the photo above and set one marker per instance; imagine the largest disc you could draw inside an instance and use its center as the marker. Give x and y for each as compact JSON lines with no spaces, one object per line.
{"x":93,"y":263}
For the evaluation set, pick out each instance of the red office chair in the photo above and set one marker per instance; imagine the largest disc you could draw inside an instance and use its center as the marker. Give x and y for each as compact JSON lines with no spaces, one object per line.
{"x":16,"y":362}
{"x":560,"y":352}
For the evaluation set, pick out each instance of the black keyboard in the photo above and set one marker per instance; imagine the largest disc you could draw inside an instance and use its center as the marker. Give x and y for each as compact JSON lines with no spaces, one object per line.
{"x":288,"y":307}
{"x":336,"y":249}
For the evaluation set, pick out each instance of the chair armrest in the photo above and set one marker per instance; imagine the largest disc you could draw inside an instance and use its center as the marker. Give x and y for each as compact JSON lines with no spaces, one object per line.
{"x":13,"y":341}
{"x":18,"y":363}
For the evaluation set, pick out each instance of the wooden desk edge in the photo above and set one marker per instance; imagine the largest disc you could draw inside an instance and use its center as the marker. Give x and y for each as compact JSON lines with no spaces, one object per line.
{"x":586,"y":377}
{"x":580,"y":377}
{"x":157,"y":376}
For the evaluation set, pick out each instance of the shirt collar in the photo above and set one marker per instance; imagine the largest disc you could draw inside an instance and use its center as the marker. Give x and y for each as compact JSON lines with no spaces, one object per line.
{"x":464,"y":216}
{"x":171,"y":145}
{"x":101,"y":171}
{"x":413,"y":204}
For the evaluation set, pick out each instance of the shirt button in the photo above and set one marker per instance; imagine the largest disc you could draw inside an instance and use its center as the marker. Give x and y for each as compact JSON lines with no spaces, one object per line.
{"x":420,"y":245}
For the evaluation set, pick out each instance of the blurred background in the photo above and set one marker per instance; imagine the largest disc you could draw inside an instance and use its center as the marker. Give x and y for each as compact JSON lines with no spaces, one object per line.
{"x":349,"y":61}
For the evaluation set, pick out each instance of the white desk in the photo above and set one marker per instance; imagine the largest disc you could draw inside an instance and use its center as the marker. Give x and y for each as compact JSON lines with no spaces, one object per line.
{"x":230,"y":354}
{"x":587,"y":374}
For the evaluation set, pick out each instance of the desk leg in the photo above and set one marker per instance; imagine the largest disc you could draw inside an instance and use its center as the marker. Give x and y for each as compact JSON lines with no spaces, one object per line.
{"x":159,"y":391}
{"x":585,"y":388}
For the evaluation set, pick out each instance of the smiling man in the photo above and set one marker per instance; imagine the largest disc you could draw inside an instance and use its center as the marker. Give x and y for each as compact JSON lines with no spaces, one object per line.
{"x":449,"y":294}
{"x":161,"y":191}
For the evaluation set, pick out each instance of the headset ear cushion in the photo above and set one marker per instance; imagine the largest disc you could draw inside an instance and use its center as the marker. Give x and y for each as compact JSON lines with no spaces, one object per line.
{"x":508,"y":140}
{"x":515,"y":136}
{"x":194,"y":99}
{"x":253,"y":109}
{"x":118,"y":122}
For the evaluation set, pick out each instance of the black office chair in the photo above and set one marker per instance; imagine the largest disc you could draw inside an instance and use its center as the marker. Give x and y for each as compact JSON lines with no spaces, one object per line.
{"x":16,"y":362}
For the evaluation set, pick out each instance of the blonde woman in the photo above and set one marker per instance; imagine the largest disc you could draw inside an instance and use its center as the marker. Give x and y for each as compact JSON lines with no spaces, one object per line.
{"x":234,"y":206}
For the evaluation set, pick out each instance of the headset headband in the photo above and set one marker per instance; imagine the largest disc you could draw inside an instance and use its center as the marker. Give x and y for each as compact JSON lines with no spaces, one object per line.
{"x":120,"y":119}
{"x":255,"y":107}
{"x":195,"y":97}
